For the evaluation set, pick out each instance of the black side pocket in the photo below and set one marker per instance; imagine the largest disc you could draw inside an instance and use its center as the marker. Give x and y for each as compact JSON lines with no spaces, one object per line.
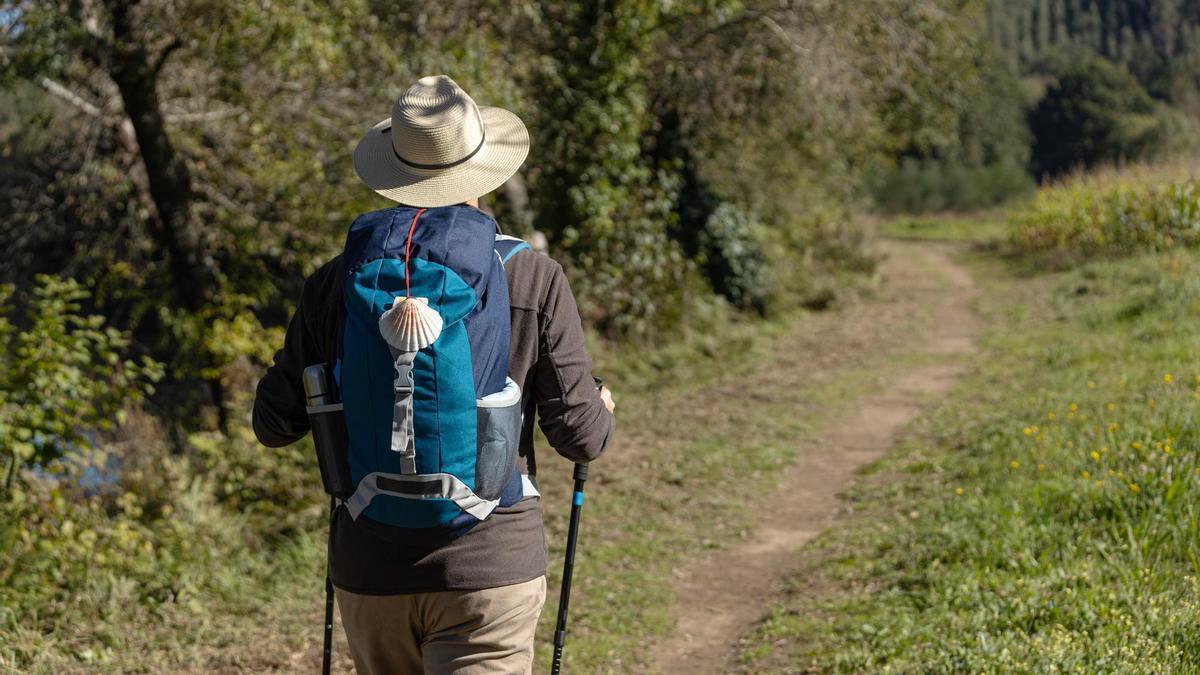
{"x":332,"y":443}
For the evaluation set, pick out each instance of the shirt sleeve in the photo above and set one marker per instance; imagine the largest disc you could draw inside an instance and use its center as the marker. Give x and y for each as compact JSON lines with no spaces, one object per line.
{"x":279,"y":417}
{"x":574,"y":419}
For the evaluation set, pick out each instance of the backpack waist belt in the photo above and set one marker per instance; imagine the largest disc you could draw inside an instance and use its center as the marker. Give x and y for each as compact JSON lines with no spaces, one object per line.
{"x":423,"y":486}
{"x":427,"y":486}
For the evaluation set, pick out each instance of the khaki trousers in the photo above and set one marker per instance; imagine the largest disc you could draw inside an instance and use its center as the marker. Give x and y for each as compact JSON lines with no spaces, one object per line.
{"x":448,"y":632}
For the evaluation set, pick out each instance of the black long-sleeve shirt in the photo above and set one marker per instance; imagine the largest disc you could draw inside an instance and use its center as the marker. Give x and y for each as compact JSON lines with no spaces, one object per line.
{"x":547,"y":358}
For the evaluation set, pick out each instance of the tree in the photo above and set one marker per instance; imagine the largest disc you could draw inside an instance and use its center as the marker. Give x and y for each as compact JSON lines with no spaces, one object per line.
{"x":176,"y":157}
{"x":1093,"y":112}
{"x":596,"y":197}
{"x":117,"y":39}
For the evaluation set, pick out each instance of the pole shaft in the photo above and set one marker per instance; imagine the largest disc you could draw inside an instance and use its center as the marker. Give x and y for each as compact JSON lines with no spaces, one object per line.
{"x":327,"y":656}
{"x":564,"y":598}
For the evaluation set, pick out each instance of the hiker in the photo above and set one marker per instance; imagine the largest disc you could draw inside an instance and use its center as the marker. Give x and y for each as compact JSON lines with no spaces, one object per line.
{"x":438,"y":555}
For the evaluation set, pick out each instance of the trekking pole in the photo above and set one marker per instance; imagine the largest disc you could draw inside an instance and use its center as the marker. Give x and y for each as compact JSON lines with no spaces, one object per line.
{"x":327,"y":657}
{"x":329,"y":440}
{"x":564,"y":598}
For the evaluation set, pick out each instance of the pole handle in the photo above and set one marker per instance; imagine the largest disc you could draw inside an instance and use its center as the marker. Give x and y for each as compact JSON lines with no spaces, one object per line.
{"x":556,"y":666}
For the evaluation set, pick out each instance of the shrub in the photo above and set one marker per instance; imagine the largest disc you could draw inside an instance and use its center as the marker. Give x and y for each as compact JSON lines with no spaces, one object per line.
{"x":1103,"y":215}
{"x":922,"y":186}
{"x":62,"y":379}
{"x":734,"y":259}
{"x":102,"y":522}
{"x":1093,"y":112}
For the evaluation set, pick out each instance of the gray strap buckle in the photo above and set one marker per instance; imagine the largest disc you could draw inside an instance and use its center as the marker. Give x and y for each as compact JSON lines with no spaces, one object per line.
{"x":403,"y":441}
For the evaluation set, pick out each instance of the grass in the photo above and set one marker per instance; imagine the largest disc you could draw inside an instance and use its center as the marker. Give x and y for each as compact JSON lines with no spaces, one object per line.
{"x":984,"y":228}
{"x":1044,"y":518}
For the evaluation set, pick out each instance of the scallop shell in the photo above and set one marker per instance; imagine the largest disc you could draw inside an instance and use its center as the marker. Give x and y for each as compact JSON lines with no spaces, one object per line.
{"x":411,"y":324}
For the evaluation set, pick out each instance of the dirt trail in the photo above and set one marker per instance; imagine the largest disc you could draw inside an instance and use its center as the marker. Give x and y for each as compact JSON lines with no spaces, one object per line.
{"x":721,"y":596}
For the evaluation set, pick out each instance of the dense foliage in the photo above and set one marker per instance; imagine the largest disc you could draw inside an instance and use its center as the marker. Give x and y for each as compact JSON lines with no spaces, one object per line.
{"x":63,"y":378}
{"x":1064,"y":84}
{"x":1093,"y":112}
{"x":191,"y":176}
{"x":100,"y":521}
{"x":1156,"y":40}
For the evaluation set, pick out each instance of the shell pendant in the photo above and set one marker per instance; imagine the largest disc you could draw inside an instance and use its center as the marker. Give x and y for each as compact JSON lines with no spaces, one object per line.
{"x":411,"y":324}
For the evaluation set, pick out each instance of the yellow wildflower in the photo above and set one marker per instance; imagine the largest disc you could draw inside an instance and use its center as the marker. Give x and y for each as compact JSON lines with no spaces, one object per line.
{"x":1095,"y":455}
{"x":958,"y":491}
{"x":1134,"y":488}
{"x":1087,"y":475}
{"x":1074,"y":407}
{"x":1168,"y":378}
{"x":1136,"y":445}
{"x":1015,"y":464}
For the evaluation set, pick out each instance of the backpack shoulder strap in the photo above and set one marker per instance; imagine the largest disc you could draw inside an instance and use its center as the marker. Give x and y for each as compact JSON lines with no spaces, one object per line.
{"x":507,"y":247}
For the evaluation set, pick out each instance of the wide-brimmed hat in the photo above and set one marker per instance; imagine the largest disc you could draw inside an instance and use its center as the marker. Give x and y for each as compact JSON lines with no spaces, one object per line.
{"x":439,"y":148}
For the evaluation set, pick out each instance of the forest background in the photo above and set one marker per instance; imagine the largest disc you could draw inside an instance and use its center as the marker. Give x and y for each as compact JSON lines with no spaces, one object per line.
{"x":173,"y":169}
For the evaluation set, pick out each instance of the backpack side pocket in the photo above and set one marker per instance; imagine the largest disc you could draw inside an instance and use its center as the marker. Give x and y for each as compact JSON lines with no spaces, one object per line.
{"x":499,"y":433}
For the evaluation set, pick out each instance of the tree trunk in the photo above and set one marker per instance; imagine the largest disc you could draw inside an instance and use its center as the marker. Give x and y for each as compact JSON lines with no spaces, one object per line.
{"x":193,"y":271}
{"x":135,"y":73}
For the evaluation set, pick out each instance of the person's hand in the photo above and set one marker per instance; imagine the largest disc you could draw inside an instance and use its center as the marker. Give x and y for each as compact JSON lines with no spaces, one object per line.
{"x":606,"y":396}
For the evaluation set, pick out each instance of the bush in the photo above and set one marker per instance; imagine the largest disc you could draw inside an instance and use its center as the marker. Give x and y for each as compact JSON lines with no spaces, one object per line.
{"x":922,"y":186}
{"x":1106,"y":215}
{"x":102,"y":522}
{"x":734,"y":259}
{"x":1093,"y":112}
{"x":64,"y":378}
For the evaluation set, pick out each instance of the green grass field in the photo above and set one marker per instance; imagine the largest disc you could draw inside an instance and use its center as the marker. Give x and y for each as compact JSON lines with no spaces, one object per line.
{"x":1044,"y":518}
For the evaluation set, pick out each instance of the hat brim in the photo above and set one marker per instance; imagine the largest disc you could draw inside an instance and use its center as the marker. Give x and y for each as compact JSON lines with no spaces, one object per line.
{"x":503,"y":152}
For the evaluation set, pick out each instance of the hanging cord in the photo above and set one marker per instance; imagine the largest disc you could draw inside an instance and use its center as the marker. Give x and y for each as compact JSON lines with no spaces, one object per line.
{"x":407,"y":248}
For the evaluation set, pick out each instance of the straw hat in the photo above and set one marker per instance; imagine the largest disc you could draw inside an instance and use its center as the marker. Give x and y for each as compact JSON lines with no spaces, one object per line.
{"x":439,"y":148}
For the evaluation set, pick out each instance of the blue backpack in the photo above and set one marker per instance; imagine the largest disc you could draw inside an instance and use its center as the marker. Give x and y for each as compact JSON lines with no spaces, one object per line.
{"x":423,"y":340}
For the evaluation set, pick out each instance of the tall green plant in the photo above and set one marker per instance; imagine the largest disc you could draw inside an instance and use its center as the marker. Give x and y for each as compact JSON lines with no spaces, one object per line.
{"x":63,"y":377}
{"x":596,"y":196}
